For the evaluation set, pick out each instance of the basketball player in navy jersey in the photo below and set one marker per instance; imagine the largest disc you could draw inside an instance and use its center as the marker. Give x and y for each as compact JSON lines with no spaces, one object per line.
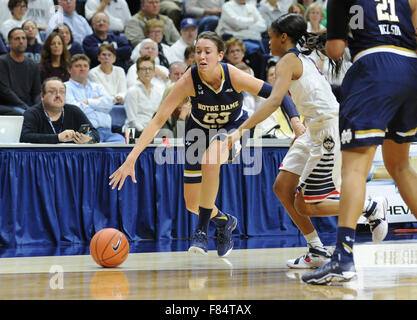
{"x":215,"y":90}
{"x":379,"y":107}
{"x":308,"y":183}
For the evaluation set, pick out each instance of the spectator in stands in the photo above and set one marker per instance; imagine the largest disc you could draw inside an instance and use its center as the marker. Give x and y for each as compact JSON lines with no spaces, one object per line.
{"x":19,"y":77}
{"x":91,"y":98}
{"x":206,"y":12}
{"x":91,"y":43}
{"x":79,"y":26}
{"x":112,"y":78}
{"x":150,"y":48}
{"x":150,"y":9}
{"x":188,"y":35}
{"x":143,"y":99}
{"x":243,"y":21}
{"x":55,"y":58}
{"x":176,"y":70}
{"x":74,"y":47}
{"x":314,"y":17}
{"x":235,"y":51}
{"x":297,"y":8}
{"x":117,"y":11}
{"x":40,"y":11}
{"x":33,"y":49}
{"x":189,"y":56}
{"x":18,"y":11}
{"x":54,"y":121}
{"x":154,"y":29}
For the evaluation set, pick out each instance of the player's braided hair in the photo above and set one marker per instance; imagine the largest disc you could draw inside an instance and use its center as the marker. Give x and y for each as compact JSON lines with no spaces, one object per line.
{"x":295,"y":27}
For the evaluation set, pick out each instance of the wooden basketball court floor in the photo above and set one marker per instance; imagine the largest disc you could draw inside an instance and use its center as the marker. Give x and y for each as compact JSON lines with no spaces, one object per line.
{"x":385,"y":271}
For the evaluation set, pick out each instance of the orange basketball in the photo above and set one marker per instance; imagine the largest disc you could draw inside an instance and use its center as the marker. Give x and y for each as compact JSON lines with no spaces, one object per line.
{"x":109,"y":248}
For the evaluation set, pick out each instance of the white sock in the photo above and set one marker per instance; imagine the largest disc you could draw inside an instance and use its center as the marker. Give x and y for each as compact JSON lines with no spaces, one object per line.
{"x":313,"y":240}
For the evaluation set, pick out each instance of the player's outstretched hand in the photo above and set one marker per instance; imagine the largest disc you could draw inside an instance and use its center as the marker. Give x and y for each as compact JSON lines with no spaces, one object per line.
{"x":119,"y":176}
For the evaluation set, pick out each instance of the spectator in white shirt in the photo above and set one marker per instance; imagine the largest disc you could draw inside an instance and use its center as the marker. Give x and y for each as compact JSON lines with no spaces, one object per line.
{"x":18,"y":11}
{"x":188,"y":34}
{"x":40,"y":11}
{"x":117,"y":10}
{"x":143,"y":99}
{"x":314,"y":16}
{"x":150,"y":48}
{"x":241,"y":20}
{"x":112,"y":78}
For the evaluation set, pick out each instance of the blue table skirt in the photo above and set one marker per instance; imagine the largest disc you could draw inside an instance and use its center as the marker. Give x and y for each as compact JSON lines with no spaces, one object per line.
{"x":61,"y":195}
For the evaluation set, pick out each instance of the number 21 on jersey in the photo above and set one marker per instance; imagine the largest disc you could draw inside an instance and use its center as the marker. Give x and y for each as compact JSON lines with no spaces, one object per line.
{"x":385,"y":11}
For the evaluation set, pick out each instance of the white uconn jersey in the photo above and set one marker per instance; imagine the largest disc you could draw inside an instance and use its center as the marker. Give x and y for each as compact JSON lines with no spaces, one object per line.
{"x":312,"y":93}
{"x":315,"y":156}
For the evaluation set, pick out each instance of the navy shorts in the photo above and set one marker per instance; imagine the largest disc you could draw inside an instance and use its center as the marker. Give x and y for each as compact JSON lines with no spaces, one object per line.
{"x":197,"y":140}
{"x":379,"y":101}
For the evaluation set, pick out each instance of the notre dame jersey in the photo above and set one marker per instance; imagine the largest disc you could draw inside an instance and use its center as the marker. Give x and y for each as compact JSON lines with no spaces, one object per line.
{"x":213,"y":109}
{"x":373,"y":23}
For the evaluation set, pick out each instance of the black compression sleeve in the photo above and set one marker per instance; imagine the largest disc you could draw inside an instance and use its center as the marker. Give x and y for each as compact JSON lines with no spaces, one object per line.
{"x":337,"y":19}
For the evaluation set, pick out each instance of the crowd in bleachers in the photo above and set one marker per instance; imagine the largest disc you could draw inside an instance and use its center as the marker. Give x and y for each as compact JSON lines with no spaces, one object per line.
{"x":132,"y":49}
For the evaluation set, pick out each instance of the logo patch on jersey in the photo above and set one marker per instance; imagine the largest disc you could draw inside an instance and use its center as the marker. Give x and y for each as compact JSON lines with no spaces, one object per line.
{"x":346,"y":136}
{"x":328,"y":144}
{"x":200,"y":89}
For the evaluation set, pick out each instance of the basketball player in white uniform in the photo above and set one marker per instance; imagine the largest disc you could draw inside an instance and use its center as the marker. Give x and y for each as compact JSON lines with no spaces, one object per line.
{"x":309,"y":179}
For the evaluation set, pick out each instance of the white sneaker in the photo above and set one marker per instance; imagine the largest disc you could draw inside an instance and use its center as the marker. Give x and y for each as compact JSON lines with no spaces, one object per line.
{"x":314,"y":258}
{"x":378,"y":219}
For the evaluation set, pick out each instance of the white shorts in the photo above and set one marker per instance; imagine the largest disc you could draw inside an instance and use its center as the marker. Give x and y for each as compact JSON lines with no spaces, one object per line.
{"x":316,"y":158}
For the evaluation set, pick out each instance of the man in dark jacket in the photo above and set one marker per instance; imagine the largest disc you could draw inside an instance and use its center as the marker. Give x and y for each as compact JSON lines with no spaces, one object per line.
{"x":100,"y":23}
{"x":54,"y":121}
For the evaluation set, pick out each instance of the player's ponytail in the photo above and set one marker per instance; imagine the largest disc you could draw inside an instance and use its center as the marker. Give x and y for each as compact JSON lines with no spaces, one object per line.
{"x":317,"y":42}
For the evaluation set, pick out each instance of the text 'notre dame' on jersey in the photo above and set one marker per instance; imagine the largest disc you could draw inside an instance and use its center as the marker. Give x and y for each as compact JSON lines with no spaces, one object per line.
{"x":211,"y":108}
